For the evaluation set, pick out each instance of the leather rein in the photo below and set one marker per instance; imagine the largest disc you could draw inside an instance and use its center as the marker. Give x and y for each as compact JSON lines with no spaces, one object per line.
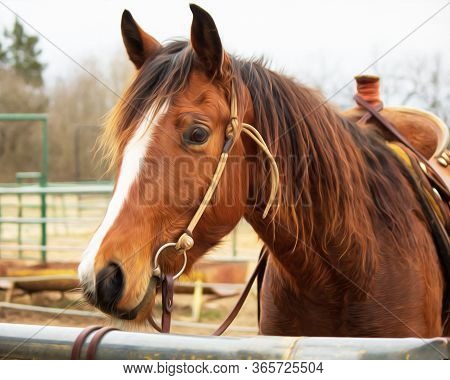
{"x":165,"y":281}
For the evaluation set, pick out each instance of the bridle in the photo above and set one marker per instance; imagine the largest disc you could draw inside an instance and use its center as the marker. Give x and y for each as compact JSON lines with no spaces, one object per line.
{"x":185,"y":242}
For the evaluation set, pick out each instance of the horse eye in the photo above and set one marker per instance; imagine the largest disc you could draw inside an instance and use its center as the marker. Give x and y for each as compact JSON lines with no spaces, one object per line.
{"x":196,"y":135}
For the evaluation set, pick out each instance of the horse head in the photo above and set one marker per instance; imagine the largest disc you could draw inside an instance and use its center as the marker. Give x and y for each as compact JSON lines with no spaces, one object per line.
{"x":167,"y":136}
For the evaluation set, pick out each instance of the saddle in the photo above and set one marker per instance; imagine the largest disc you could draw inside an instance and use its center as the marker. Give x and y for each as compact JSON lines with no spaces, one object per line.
{"x":426,"y":132}
{"x":419,"y":140}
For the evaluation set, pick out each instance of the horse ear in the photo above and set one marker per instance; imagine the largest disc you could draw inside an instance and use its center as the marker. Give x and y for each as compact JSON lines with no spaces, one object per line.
{"x":205,"y":41}
{"x":139,"y":44}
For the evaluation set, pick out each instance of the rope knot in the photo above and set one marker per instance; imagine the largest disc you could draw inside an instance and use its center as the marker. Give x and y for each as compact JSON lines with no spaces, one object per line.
{"x":232,"y":127}
{"x":185,"y":242}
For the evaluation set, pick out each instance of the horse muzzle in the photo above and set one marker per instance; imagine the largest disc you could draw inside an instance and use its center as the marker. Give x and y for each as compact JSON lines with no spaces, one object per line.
{"x":109,"y":289}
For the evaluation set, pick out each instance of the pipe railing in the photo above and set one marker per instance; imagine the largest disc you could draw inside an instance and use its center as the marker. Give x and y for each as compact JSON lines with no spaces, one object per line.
{"x":43,"y":191}
{"x":48,"y":342}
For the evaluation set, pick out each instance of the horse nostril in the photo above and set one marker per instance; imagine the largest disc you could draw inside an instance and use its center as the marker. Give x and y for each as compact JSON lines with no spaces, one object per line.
{"x":109,"y":286}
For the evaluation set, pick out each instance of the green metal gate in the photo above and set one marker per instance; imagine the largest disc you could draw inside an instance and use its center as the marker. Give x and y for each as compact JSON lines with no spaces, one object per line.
{"x":43,"y":174}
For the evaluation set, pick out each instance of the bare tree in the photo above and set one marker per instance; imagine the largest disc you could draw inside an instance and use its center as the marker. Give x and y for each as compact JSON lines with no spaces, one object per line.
{"x":77,"y":108}
{"x":422,"y":82}
{"x":19,"y":142}
{"x":76,"y":105}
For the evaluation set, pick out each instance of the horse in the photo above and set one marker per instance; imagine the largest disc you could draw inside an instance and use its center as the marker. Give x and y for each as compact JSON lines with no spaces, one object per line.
{"x":350,"y":250}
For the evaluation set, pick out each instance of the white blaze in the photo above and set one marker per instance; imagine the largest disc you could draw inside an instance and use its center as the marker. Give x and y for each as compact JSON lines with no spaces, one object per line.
{"x":134,"y":152}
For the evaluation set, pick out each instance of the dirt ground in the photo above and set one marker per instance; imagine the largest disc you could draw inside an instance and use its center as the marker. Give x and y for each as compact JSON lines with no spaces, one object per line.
{"x":214,"y":311}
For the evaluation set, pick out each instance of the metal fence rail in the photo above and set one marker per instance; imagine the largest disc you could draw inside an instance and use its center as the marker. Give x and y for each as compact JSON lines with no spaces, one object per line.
{"x":43,"y":191}
{"x":45,"y":342}
{"x":45,"y":206}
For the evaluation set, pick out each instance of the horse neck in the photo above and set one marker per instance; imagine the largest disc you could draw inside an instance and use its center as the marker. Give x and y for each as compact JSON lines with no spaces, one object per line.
{"x":324,"y":218}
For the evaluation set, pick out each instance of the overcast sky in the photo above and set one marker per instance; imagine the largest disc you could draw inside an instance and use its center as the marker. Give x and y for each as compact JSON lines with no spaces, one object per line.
{"x":297,"y":36}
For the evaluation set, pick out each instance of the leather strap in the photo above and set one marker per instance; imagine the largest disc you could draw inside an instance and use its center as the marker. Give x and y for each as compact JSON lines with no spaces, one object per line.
{"x":237,"y":307}
{"x":167,"y":286}
{"x":78,"y":344}
{"x":260,"y":279}
{"x":92,"y":348}
{"x":432,"y":175}
{"x":167,"y":289}
{"x":367,"y":115}
{"x":154,"y":324}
